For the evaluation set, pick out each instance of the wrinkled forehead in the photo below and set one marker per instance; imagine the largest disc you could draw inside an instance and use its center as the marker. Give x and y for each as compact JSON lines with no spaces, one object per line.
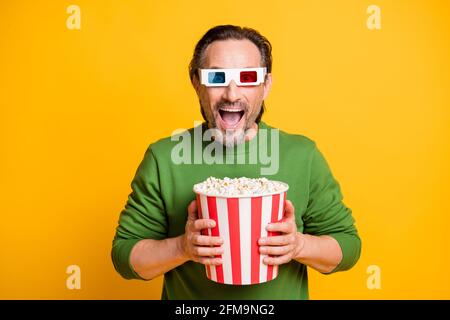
{"x":225,"y":54}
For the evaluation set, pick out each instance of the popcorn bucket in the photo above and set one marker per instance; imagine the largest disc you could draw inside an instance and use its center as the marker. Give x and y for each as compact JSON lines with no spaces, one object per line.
{"x":241,"y":221}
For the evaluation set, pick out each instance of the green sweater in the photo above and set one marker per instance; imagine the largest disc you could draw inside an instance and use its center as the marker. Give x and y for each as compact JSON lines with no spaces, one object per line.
{"x":162,"y":190}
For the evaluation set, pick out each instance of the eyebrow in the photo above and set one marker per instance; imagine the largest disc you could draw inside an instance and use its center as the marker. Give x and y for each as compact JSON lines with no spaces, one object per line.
{"x":214,"y":67}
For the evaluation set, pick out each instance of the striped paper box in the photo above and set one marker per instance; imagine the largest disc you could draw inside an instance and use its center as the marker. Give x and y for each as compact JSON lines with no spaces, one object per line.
{"x":240,"y":222}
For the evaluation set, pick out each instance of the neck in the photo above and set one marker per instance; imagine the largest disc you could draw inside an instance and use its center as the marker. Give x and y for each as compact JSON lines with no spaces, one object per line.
{"x":251,"y":133}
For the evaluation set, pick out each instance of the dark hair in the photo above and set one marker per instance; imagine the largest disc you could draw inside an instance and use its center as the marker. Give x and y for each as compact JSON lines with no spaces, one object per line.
{"x":226,"y":32}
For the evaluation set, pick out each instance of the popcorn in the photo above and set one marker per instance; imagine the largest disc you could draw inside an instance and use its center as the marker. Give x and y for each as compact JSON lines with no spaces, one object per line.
{"x":243,"y":186}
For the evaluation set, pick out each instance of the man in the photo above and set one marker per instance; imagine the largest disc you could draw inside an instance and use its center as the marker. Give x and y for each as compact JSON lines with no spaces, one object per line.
{"x":156,"y":236}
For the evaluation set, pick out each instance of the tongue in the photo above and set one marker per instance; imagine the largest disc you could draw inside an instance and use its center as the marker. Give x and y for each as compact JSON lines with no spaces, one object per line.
{"x":231,"y":118}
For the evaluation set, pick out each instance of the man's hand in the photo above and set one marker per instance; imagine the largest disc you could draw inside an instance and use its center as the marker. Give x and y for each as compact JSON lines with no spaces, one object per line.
{"x":197,"y":247}
{"x":285,"y":247}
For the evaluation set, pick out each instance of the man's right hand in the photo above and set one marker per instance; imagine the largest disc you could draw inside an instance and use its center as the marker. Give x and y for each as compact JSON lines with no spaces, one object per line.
{"x":197,"y":247}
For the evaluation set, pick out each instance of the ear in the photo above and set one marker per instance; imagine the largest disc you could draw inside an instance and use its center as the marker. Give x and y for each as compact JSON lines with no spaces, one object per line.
{"x":196,"y":84}
{"x":267,"y":85}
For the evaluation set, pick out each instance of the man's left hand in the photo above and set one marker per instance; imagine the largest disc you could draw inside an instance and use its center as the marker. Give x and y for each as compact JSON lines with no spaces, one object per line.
{"x":286,"y":246}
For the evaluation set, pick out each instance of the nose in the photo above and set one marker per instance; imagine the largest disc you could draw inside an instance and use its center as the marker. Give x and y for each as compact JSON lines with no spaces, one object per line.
{"x":231,"y":92}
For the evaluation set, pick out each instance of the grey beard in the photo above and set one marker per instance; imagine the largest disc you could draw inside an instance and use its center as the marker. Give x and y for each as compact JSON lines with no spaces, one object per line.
{"x":230,"y":138}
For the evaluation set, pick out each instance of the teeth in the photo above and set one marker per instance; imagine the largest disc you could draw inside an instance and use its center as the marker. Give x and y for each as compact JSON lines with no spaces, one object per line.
{"x":230,"y":110}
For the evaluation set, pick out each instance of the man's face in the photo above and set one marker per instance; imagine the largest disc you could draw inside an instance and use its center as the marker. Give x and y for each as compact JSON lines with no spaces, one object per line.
{"x":232,"y":109}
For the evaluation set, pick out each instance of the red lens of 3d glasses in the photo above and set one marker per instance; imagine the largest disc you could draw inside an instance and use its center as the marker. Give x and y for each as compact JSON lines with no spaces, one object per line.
{"x":248,"y":76}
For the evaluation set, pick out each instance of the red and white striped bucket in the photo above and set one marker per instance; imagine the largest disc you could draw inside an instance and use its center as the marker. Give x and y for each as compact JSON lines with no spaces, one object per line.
{"x":240,"y":222}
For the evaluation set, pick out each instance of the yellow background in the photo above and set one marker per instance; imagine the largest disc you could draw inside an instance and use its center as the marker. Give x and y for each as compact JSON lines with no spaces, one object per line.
{"x":78,"y":109}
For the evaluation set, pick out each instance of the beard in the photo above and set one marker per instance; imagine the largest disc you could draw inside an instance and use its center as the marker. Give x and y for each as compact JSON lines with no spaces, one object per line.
{"x":231,"y":137}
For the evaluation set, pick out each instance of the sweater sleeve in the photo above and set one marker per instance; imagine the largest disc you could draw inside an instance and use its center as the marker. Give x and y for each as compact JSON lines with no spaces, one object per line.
{"x":142,"y":218}
{"x":326,"y":214}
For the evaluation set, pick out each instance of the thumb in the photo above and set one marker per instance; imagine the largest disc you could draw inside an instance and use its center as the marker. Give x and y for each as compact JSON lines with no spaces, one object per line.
{"x":289,"y":211}
{"x":192,"y":210}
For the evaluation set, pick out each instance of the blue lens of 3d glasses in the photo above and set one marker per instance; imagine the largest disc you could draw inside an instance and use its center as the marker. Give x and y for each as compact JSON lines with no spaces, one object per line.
{"x":216,"y":77}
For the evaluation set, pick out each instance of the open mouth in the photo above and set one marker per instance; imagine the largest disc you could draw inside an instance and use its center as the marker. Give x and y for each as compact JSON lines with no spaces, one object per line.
{"x":231,"y":117}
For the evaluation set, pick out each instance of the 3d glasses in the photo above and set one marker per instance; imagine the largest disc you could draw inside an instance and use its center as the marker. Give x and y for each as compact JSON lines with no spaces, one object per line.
{"x":223,"y":77}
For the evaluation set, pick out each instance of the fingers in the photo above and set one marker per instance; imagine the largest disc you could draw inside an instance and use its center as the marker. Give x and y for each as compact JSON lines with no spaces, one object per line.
{"x":200,"y":240}
{"x":286,"y":226}
{"x":200,"y":224}
{"x":277,"y":260}
{"x":207,"y":251}
{"x":195,"y":224}
{"x":192,"y":210}
{"x":205,"y":254}
{"x":276,"y":251}
{"x":209,"y":261}
{"x":289,"y":210}
{"x":277,"y":240}
{"x":204,"y":249}
{"x":282,"y":247}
